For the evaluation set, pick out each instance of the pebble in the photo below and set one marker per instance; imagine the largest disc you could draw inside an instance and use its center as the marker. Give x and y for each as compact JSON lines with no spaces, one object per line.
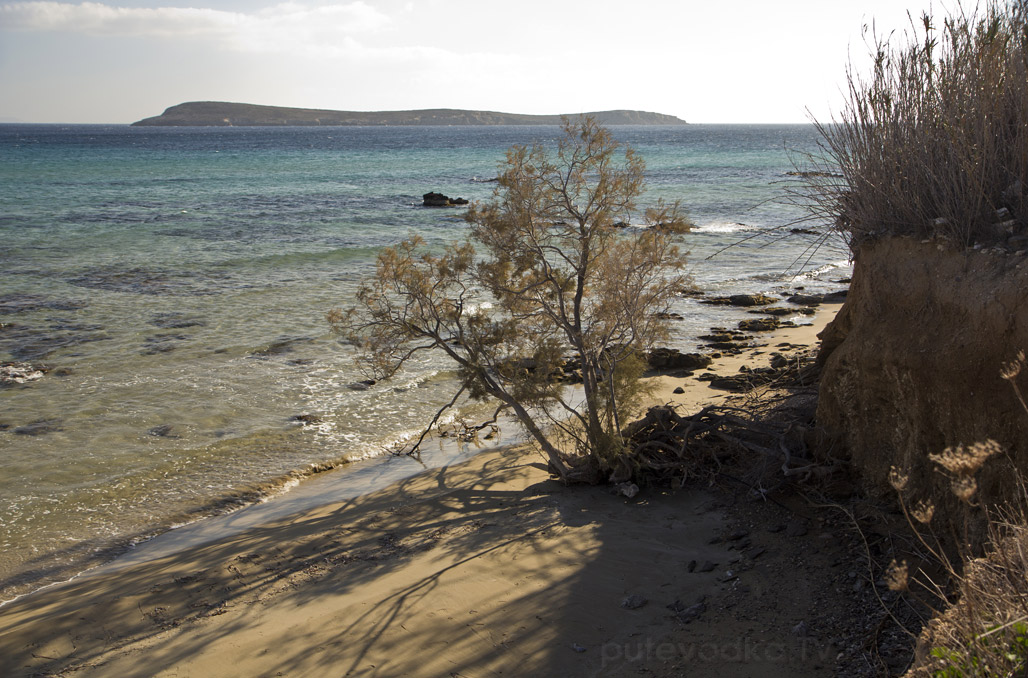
{"x":634,"y":602}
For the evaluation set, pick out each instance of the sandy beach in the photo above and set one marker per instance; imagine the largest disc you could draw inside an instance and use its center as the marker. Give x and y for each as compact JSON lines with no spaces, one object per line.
{"x":486,"y":568}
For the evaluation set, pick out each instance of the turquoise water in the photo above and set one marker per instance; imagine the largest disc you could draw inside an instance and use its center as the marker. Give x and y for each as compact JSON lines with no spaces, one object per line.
{"x":175,"y":282}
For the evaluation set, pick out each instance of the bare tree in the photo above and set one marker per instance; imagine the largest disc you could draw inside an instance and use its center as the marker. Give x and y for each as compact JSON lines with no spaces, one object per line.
{"x":556,"y":276}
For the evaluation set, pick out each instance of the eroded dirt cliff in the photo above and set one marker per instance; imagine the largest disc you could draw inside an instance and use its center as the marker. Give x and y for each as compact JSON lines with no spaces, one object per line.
{"x":912,"y":363}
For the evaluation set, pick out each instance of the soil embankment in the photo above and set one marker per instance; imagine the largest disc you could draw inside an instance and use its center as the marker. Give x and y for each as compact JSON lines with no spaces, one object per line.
{"x":912,"y":365}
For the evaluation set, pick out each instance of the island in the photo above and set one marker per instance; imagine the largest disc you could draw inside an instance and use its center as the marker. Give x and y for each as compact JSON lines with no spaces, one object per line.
{"x":224,"y":114}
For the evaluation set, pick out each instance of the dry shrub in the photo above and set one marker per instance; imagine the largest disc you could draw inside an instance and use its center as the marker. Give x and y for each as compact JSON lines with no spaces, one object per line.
{"x":982,"y":626}
{"x":934,"y":142}
{"x":985,"y":632}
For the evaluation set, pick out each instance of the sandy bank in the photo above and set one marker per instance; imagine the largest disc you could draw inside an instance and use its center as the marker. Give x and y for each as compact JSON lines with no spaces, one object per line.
{"x":485,"y":568}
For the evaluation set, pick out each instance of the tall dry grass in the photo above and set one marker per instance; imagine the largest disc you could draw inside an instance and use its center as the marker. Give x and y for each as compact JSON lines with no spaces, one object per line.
{"x":934,"y":140}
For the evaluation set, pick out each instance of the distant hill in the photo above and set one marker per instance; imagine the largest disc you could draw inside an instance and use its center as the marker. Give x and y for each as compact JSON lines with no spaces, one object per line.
{"x":222,"y":114}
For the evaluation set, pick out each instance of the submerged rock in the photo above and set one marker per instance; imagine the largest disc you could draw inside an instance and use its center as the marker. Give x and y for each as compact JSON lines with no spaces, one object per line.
{"x":38,"y":428}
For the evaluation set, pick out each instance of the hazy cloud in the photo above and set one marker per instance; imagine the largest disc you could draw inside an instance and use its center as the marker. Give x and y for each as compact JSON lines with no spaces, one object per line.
{"x":275,"y":28}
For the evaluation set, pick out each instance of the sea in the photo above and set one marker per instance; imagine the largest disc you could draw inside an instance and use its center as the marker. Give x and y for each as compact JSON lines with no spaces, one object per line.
{"x":173,"y":284}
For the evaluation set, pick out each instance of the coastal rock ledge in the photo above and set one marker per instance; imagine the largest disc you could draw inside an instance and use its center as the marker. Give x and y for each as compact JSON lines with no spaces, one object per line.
{"x":911,"y":365}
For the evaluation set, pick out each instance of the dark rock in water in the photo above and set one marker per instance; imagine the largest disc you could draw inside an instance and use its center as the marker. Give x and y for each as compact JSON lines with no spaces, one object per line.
{"x":361,"y":385}
{"x":150,"y":281}
{"x":20,"y":303}
{"x":306,"y":419}
{"x":803,"y":231}
{"x":162,"y":343}
{"x":806,"y":299}
{"x":836,"y":297}
{"x":741,"y":300}
{"x":670,"y":316}
{"x":673,"y":359}
{"x":440,"y":200}
{"x":162,"y":431}
{"x":38,"y":428}
{"x":4,"y":427}
{"x":759,"y":325}
{"x":175,"y":321}
{"x":280,"y":346}
{"x":782,"y":311}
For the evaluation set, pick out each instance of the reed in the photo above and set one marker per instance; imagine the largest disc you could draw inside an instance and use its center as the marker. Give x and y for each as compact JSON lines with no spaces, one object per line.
{"x":934,"y":140}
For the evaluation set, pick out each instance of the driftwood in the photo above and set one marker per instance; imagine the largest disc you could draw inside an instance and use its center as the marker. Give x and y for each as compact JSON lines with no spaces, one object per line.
{"x":668,"y":445}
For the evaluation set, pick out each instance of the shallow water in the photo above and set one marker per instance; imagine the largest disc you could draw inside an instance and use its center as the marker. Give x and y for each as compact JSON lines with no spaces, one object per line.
{"x":176,"y":282}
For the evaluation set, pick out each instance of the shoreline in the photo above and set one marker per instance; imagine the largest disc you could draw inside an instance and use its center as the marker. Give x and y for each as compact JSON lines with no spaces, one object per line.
{"x":496,"y":534}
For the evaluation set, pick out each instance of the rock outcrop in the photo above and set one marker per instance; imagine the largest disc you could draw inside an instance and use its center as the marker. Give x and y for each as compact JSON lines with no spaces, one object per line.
{"x":911,"y":365}
{"x":439,"y":200}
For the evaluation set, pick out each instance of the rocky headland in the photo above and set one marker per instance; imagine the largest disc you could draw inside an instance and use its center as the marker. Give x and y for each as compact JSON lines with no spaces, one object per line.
{"x":225,"y":114}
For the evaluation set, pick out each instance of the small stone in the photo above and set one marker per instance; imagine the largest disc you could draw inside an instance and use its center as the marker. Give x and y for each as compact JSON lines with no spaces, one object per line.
{"x":679,"y":391}
{"x":691,"y":567}
{"x":796,"y":528}
{"x":634,"y":602}
{"x":801,"y":629}
{"x":687,"y":614}
{"x":577,"y":648}
{"x":627,"y":489}
{"x":707,"y":566}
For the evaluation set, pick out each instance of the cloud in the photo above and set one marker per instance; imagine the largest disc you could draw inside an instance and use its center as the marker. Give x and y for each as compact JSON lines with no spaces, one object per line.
{"x":272,"y":29}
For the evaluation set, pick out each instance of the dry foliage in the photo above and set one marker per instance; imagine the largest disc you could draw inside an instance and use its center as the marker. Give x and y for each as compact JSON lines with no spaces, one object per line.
{"x":934,"y":142}
{"x":549,"y":279}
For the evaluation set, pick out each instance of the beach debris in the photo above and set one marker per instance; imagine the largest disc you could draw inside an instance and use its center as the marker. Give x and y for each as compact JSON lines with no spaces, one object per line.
{"x":433,"y":199}
{"x":634,"y":602}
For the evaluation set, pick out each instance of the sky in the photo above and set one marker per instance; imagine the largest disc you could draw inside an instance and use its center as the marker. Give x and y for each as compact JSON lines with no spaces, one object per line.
{"x":705,"y":61}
